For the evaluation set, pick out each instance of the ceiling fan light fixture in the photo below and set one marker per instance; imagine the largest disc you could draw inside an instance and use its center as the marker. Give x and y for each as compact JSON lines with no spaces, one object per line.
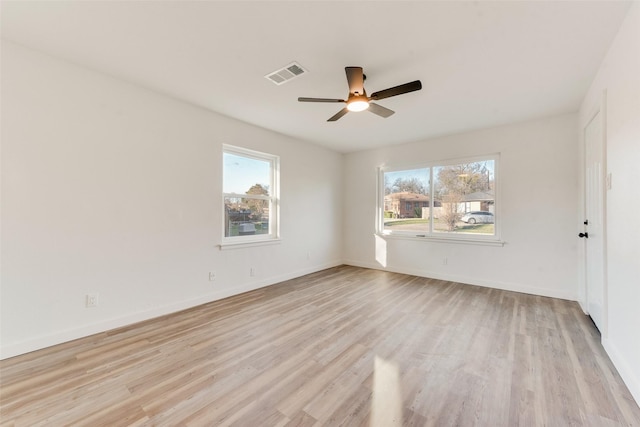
{"x":360,"y":103}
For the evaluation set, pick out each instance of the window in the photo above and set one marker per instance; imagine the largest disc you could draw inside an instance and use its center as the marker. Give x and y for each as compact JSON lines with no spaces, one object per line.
{"x":250,"y":192}
{"x":455,"y":200}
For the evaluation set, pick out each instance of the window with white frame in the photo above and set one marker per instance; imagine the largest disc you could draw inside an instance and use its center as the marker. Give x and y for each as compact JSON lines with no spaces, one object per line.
{"x":454,"y":199}
{"x":250,"y":192}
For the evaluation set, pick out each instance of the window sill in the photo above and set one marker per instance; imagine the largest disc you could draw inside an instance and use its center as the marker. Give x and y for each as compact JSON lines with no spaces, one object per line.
{"x":458,"y":240}
{"x":248,"y":244}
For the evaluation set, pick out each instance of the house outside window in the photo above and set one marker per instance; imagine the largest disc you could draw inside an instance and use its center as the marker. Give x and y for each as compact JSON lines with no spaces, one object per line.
{"x":455,"y":199}
{"x":250,"y":192}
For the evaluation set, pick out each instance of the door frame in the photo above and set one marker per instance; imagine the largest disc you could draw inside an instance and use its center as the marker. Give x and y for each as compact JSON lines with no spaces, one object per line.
{"x":599,"y":107}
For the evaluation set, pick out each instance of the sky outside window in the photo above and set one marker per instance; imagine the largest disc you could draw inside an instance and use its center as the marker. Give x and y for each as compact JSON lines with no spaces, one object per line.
{"x":241,"y":173}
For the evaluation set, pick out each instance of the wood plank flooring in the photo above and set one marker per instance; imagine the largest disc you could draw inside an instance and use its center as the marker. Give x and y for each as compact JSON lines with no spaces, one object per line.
{"x":345,"y":346}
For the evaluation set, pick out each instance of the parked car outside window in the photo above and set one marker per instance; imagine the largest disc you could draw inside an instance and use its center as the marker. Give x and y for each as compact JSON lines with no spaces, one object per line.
{"x":477,"y":217}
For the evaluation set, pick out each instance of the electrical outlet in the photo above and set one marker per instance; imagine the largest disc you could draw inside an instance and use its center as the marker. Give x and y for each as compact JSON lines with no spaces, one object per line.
{"x":92,"y":300}
{"x":212,"y":276}
{"x":308,"y":255}
{"x":252,"y":272}
{"x":444,"y":261}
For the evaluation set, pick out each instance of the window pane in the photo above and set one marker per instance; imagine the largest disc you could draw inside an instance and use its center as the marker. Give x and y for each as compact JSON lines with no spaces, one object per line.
{"x":406,"y":200}
{"x":466,"y":196}
{"x":245,"y":216}
{"x":245,"y":175}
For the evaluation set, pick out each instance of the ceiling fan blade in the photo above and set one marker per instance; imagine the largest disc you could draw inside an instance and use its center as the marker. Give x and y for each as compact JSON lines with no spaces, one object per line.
{"x":380,"y":110}
{"x":302,"y":99}
{"x":355,"y":77}
{"x":397,"y":90}
{"x":338,"y":115}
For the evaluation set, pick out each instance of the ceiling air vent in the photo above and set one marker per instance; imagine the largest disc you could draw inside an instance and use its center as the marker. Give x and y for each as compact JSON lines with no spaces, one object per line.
{"x":287,"y":73}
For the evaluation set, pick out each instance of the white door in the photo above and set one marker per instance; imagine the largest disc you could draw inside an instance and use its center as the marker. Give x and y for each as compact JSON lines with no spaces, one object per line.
{"x":594,"y":237}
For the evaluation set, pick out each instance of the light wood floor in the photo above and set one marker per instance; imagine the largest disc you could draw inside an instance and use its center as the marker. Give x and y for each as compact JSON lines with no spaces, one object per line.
{"x":346,"y":346}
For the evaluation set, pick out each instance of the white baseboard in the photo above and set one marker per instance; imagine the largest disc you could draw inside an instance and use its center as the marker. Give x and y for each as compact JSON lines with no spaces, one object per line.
{"x":471,"y":281}
{"x":583,"y":306}
{"x":37,"y":343}
{"x":624,"y":369}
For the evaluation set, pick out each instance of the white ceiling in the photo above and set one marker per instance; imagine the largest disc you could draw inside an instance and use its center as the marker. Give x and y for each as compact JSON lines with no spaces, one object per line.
{"x":481,"y":63}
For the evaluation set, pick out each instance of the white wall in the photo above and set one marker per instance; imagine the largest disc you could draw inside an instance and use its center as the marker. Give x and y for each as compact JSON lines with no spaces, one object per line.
{"x":537,"y":199}
{"x":110,"y":188}
{"x":619,"y":76}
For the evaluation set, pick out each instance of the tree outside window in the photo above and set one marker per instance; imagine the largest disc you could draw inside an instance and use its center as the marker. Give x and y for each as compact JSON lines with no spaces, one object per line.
{"x":453,"y":184}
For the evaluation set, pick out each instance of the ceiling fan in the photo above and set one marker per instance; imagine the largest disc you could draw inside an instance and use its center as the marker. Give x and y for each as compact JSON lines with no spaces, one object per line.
{"x":358,"y":99}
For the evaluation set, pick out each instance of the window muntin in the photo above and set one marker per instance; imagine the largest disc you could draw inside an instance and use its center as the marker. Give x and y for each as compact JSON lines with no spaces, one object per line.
{"x":448,"y":193}
{"x":250,"y":190}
